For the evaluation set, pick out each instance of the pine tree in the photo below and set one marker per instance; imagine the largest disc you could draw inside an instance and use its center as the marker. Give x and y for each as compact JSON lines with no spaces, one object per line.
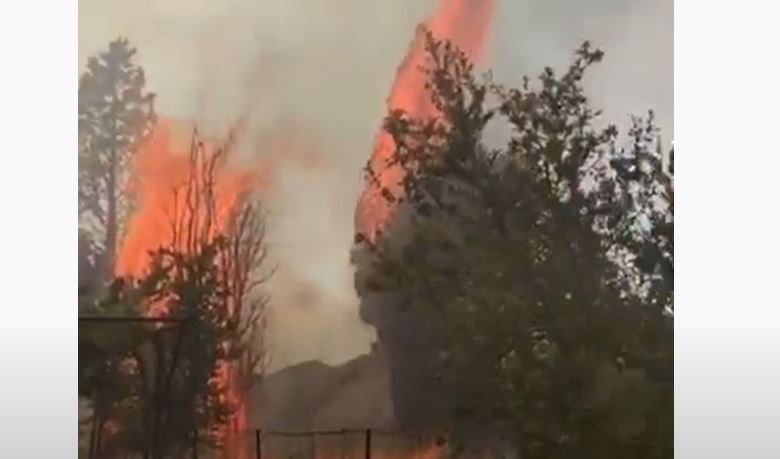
{"x":115,"y":113}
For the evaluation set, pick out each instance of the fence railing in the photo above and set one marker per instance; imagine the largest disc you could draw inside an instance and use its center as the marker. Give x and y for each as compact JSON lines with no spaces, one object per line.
{"x":368,"y":443}
{"x":365,"y":443}
{"x":347,"y":443}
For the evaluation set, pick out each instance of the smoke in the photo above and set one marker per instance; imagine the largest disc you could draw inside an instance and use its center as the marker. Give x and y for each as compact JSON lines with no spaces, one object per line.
{"x":637,"y":73}
{"x":310,"y":78}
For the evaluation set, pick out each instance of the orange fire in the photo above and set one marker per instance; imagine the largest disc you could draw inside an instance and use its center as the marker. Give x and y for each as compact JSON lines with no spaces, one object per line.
{"x":164,"y":169}
{"x":465,"y":23}
{"x":161,"y":172}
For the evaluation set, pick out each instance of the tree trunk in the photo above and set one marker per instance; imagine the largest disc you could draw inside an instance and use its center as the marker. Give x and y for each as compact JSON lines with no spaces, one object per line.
{"x":111,"y":216}
{"x":93,"y":435}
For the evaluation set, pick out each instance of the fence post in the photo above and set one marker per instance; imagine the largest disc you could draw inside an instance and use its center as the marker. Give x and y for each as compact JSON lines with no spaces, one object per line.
{"x":258,"y":444}
{"x":195,"y":443}
{"x":368,"y":443}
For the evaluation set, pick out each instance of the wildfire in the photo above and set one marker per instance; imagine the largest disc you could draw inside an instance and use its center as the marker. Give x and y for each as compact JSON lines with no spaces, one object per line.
{"x":162,"y":171}
{"x":465,"y":23}
{"x":171,"y":183}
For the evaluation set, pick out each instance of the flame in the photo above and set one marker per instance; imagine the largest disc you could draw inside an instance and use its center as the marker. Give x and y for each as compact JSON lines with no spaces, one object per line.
{"x":465,"y":23}
{"x":163,"y":170}
{"x":161,"y":173}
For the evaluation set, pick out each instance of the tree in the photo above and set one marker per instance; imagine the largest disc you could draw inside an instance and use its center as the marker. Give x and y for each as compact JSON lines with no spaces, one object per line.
{"x":115,"y":113}
{"x":157,"y":388}
{"x":538,"y":274}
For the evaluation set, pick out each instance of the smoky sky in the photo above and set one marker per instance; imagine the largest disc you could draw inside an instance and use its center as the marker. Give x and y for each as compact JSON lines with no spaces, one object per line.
{"x":321,"y":70}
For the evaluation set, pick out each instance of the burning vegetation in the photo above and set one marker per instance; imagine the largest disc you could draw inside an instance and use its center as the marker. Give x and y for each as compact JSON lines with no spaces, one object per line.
{"x":192,"y":256}
{"x":465,"y":24}
{"x":522,"y":294}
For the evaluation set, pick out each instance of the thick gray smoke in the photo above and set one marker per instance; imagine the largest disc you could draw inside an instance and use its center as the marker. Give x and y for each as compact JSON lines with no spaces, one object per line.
{"x":325,"y":67}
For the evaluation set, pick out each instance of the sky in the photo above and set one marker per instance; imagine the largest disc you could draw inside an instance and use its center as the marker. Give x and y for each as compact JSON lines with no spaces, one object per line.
{"x":319,"y":71}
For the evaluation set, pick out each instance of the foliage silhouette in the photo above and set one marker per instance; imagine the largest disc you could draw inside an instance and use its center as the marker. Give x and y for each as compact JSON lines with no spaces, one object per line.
{"x":539,"y":273}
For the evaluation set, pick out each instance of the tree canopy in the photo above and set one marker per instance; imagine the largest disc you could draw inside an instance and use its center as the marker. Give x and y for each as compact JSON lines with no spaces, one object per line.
{"x":540,"y":270}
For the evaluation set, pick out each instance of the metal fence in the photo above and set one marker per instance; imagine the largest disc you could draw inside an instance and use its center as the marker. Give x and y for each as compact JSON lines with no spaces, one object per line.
{"x":352,"y":443}
{"x":338,"y":444}
{"x":321,"y":444}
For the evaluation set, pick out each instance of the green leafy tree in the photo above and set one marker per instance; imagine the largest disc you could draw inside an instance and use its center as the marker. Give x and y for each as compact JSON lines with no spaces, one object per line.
{"x":539,"y":273}
{"x":115,"y":113}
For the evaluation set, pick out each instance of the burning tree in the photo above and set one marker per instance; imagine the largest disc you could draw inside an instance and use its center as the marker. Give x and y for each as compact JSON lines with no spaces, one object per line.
{"x":165,"y":388}
{"x":466,"y":23}
{"x":532,"y":283}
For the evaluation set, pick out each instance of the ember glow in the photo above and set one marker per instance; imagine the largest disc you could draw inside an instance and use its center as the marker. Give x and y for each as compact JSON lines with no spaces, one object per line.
{"x":463,"y":22}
